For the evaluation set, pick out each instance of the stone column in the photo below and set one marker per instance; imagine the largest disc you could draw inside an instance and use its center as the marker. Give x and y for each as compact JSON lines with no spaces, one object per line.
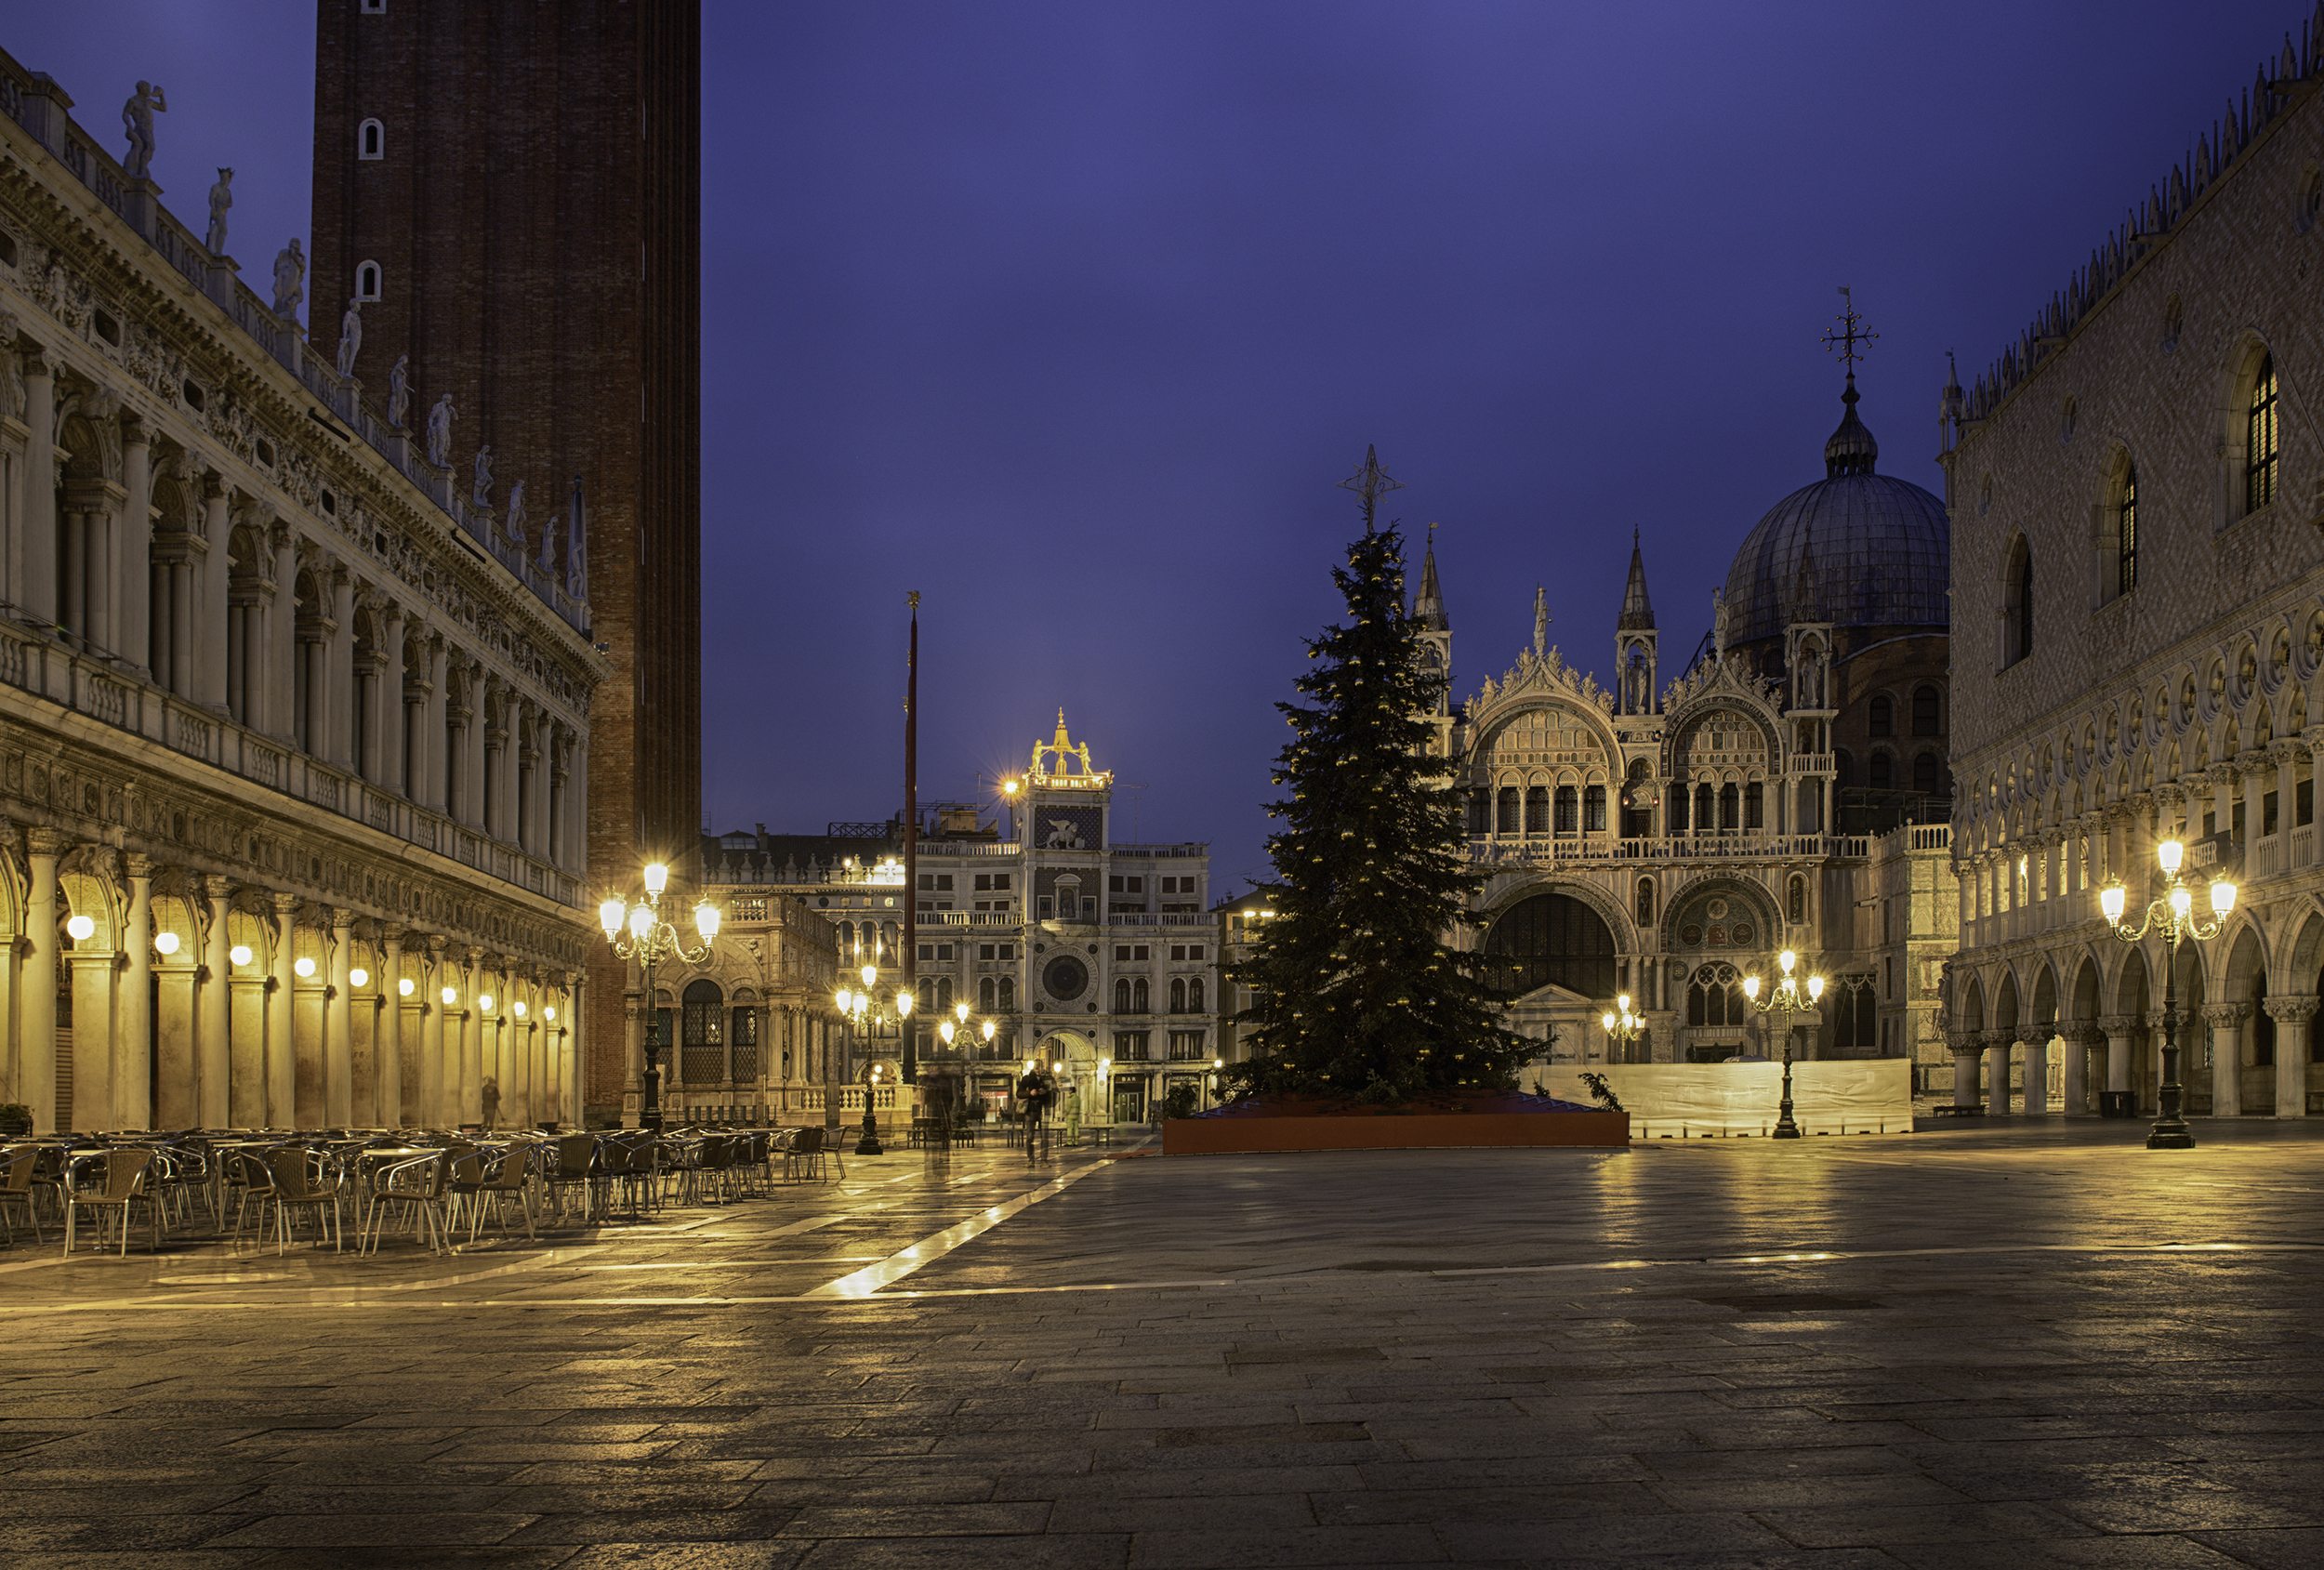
{"x":1996,"y":1045}
{"x":338,"y":667}
{"x":2081,"y":1039}
{"x":437,"y":1101}
{"x":471,"y":1080}
{"x":2292,"y":1015}
{"x":96,"y":1021}
{"x":177,"y":1028}
{"x":460,"y":723}
{"x":284,"y":1068}
{"x":2035,"y":1038}
{"x":32,"y":552}
{"x":386,"y":1048}
{"x":311,"y":1026}
{"x":339,"y":1076}
{"x":36,"y":1014}
{"x":134,"y":548}
{"x":387,"y":708}
{"x":252,"y":1081}
{"x":2120,"y":1030}
{"x":133,"y":1043}
{"x":1962,"y":1044}
{"x":281,"y":642}
{"x":2226,"y":1021}
{"x":213,"y":620}
{"x":433,"y":727}
{"x":213,"y":1005}
{"x":2286,"y":756}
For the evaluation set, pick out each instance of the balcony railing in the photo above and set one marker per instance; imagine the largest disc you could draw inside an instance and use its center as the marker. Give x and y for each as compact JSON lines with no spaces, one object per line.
{"x":48,"y":669}
{"x":1673,"y":848}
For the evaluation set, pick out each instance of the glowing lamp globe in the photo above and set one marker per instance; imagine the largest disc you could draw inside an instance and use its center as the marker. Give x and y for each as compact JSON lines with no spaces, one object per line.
{"x":80,"y":928}
{"x":239,"y":955}
{"x":2111,"y":899}
{"x":2223,"y":896}
{"x":609,"y":916}
{"x":2169,"y":853}
{"x":706,"y":920}
{"x":165,"y":943}
{"x":1750,"y":988}
{"x":304,"y":966}
{"x":359,"y":977}
{"x":657,"y":877}
{"x":405,"y":987}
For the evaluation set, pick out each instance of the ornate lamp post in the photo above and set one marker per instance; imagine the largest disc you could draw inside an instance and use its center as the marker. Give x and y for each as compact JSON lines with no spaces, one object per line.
{"x":650,"y":941}
{"x":856,"y":1009}
{"x":2172,"y":916}
{"x":1623,"y":1027}
{"x":1785,"y":1000}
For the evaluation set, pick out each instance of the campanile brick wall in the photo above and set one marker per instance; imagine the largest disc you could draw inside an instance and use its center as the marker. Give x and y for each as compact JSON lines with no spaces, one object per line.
{"x":536,"y":218}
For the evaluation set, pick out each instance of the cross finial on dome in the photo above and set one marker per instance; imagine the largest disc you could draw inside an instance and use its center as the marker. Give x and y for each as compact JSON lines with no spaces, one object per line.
{"x":1849,"y":335}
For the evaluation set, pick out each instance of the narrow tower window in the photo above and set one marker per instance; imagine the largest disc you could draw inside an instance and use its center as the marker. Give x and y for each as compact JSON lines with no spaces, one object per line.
{"x":367,"y":280}
{"x":371,"y":140}
{"x":2259,"y":440}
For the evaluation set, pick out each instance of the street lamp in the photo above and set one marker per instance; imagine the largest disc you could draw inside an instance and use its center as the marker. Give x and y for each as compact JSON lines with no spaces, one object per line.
{"x":860,"y":1010}
{"x":1785,"y":1000}
{"x":2174,"y":915}
{"x":1622,"y":1028}
{"x":650,"y":941}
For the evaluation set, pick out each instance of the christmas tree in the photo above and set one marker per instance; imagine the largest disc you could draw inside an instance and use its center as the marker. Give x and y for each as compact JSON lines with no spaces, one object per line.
{"x":1356,"y":992}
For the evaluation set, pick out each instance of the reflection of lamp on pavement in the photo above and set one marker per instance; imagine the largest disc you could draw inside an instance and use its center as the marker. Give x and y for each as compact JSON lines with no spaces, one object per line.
{"x":1785,"y":1000}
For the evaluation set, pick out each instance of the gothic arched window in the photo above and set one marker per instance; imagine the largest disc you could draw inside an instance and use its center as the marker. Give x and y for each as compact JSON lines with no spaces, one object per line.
{"x":1140,"y":999}
{"x":984,"y":995}
{"x":1121,"y":995}
{"x":2126,"y":533}
{"x":1178,"y":995}
{"x":2017,"y":603}
{"x":1194,"y":994}
{"x":2260,"y":438}
{"x":1554,"y":938}
{"x":1008,"y":1000}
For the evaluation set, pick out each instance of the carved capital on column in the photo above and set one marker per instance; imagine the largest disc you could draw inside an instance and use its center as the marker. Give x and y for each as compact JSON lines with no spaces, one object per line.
{"x":2292,"y":1010}
{"x":40,"y":841}
{"x":2223,"y":1016}
{"x":2037,"y":1035}
{"x":341,"y":920}
{"x":286,"y":904}
{"x":2253,"y":760}
{"x":135,"y":864}
{"x":1961,"y":1043}
{"x":392,"y":938}
{"x":2281,"y":752}
{"x":2118,"y":1024}
{"x":2086,"y":1034}
{"x":2220,"y":776}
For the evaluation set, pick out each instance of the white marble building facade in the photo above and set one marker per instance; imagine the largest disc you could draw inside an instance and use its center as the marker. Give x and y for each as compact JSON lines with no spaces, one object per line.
{"x":292,"y":741}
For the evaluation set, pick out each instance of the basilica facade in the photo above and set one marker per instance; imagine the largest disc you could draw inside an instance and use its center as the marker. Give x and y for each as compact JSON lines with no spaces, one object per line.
{"x":293,"y":740}
{"x":2138,"y":494}
{"x":1667,"y":839}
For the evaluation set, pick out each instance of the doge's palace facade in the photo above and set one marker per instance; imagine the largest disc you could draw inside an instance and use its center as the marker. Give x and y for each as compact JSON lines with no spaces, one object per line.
{"x":2139,"y":609}
{"x":292,"y":733}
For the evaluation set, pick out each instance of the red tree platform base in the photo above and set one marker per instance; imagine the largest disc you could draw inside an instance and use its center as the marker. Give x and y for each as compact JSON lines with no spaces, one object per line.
{"x":1481,"y":1121}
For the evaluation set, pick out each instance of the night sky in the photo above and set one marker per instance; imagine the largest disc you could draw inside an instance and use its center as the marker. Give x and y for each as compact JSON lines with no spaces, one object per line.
{"x":1071,"y":316}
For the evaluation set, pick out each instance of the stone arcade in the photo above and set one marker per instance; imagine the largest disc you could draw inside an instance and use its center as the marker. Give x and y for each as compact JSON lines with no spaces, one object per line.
{"x":290,"y":754}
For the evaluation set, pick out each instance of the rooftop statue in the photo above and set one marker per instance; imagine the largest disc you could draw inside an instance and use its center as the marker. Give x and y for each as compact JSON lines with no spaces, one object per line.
{"x":290,"y":276}
{"x":350,"y":337}
{"x":221,"y":199}
{"x":136,"y":118}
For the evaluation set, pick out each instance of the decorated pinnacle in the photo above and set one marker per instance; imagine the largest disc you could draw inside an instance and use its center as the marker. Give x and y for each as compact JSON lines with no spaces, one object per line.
{"x":1371,"y":483}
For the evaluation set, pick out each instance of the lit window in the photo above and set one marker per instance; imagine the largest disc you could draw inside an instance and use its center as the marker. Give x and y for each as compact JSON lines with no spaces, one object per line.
{"x":2259,"y":440}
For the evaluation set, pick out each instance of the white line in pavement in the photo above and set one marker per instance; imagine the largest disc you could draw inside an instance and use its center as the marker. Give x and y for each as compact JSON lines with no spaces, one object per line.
{"x":872,"y":1278}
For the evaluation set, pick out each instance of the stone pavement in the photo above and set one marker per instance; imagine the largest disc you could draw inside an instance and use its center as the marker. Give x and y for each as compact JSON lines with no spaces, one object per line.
{"x":2032,"y":1343}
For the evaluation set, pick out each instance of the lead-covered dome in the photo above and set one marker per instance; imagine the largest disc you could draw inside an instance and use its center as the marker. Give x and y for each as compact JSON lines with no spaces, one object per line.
{"x":1879,"y":550}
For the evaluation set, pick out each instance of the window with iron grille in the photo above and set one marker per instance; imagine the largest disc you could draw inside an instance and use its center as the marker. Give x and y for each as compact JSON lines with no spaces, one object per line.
{"x":2126,"y":535}
{"x":702,"y":1044}
{"x":2260,"y":439}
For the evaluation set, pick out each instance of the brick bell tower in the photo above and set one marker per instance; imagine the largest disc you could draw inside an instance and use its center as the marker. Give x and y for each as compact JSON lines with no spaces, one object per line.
{"x":516,"y":189}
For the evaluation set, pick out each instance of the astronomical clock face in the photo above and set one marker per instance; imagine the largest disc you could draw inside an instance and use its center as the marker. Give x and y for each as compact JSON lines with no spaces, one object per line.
{"x":1545,"y":737}
{"x":1065,"y":978}
{"x":1726,"y":739}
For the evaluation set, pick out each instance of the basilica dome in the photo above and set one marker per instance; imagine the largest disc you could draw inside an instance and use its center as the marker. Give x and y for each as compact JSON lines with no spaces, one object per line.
{"x":1879,"y":548}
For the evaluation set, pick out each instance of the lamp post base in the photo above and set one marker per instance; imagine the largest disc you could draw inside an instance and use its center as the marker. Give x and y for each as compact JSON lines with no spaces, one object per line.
{"x":869,"y":1144}
{"x":1785,"y":1129}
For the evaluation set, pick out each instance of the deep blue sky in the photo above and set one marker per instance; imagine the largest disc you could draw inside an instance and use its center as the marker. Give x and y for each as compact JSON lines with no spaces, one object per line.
{"x":1070,"y":316}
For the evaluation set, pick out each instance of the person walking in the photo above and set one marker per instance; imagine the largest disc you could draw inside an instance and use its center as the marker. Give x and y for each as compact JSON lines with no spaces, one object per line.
{"x":1034,"y":1093}
{"x":489,"y":1095}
